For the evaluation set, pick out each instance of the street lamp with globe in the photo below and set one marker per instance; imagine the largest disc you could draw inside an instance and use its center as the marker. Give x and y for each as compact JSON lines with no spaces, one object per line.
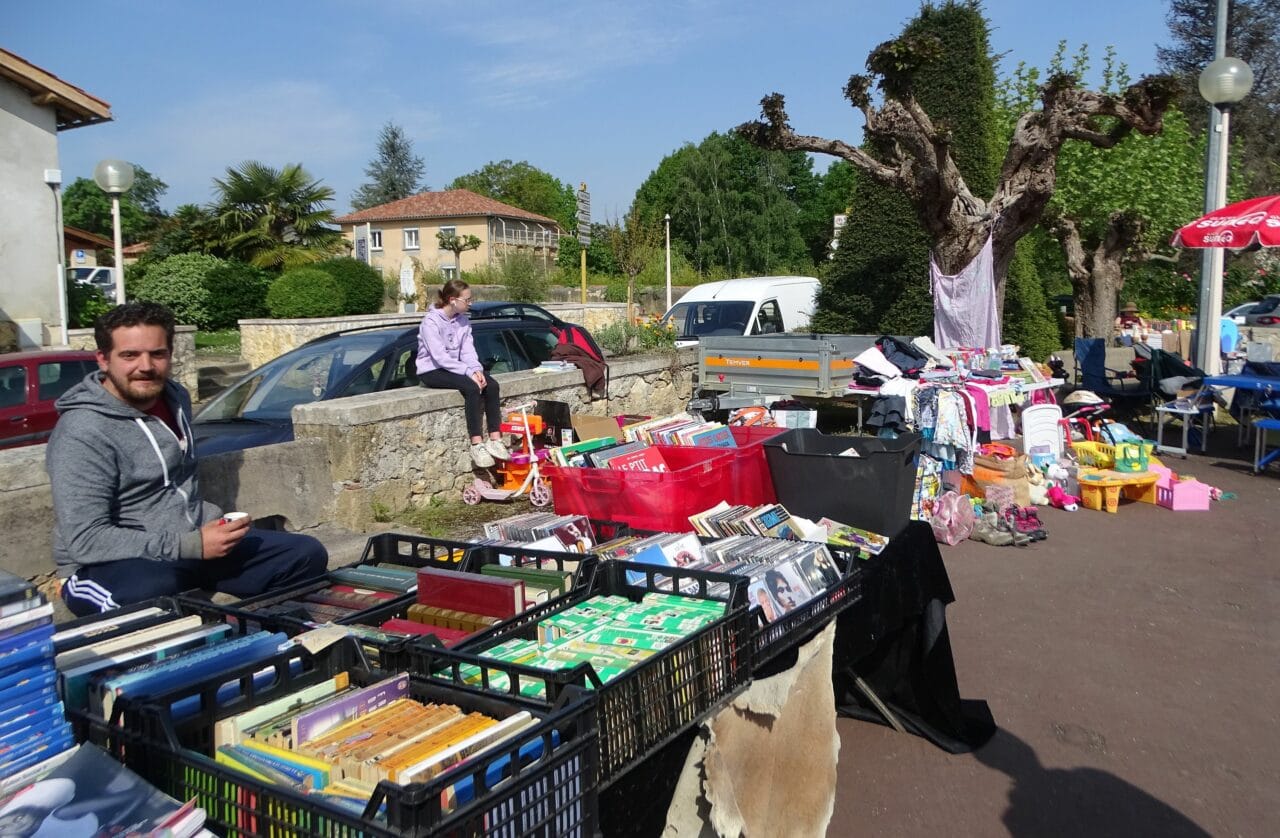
{"x":115,"y":177}
{"x":1225,"y":81}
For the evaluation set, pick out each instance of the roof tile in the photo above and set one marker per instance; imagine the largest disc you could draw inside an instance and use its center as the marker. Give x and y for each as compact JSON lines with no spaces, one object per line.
{"x":453,"y":203}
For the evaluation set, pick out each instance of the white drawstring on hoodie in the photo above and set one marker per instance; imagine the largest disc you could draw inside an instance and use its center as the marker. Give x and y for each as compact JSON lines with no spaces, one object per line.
{"x":164,"y":469}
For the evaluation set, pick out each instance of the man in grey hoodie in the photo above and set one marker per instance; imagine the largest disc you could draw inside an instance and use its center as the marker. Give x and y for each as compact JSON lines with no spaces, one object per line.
{"x":129,"y":524}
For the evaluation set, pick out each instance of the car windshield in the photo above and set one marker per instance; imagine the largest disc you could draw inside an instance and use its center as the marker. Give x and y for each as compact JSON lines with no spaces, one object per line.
{"x":307,"y":374}
{"x":715,"y":317}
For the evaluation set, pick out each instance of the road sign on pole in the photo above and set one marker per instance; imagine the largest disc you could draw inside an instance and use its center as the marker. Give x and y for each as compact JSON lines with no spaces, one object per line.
{"x":584,"y":215}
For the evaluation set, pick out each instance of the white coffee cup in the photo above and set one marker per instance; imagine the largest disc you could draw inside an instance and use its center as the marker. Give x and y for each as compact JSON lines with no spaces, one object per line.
{"x":229,"y":517}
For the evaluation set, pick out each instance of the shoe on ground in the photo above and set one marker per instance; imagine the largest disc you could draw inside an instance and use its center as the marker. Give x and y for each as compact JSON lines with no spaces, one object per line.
{"x":987,"y":533}
{"x":480,"y":455}
{"x":497,"y":449}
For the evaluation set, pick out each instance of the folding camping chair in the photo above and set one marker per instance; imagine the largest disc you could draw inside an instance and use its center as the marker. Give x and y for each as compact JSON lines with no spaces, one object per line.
{"x":1116,"y":386}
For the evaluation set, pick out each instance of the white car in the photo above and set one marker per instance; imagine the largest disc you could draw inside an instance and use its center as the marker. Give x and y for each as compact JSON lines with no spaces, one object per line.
{"x":1237,"y":314}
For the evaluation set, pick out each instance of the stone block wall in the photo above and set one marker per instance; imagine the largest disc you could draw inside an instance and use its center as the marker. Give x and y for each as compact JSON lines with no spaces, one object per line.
{"x":185,"y":371}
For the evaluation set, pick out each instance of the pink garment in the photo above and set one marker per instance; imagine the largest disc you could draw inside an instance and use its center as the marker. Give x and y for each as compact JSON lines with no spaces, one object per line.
{"x":981,"y":407}
{"x":964,"y":305}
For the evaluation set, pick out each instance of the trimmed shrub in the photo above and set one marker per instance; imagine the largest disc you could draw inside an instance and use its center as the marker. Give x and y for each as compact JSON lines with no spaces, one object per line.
{"x":1028,"y":320}
{"x":84,"y":304}
{"x":179,"y":283}
{"x":361,"y":284}
{"x":305,"y":292}
{"x":236,"y":292}
{"x":524,"y":278}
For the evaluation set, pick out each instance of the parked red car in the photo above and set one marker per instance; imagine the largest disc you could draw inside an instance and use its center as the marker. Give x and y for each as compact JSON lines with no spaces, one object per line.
{"x":30,"y":382}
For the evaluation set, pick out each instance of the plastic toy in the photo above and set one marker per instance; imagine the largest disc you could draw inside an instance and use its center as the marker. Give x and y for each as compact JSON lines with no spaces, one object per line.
{"x":1061,"y":500}
{"x":1131,"y":457}
{"x":521,"y":473}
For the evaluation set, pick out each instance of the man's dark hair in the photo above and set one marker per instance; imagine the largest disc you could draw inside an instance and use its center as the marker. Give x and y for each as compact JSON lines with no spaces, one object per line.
{"x":132,"y":314}
{"x":772,"y":578}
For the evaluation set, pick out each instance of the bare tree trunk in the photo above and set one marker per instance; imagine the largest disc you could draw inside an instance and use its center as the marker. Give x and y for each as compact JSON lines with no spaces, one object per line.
{"x":1097,"y":276}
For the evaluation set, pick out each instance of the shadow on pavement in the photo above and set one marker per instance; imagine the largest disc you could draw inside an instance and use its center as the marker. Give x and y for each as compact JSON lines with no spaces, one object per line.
{"x":1076,"y":801}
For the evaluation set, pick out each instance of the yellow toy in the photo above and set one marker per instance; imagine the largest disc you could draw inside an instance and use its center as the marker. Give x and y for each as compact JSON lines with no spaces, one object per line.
{"x":1100,"y":489}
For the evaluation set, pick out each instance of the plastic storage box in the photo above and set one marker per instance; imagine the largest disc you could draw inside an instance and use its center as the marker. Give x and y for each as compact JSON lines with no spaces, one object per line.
{"x":660,"y":501}
{"x":872,"y":490}
{"x":748,"y":475}
{"x":653,"y":702}
{"x":550,"y":795}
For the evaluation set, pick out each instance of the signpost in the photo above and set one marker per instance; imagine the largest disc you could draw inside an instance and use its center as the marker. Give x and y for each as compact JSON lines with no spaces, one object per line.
{"x":584,"y":232}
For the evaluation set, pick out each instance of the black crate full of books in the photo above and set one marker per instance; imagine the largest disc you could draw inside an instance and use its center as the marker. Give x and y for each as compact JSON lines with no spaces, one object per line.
{"x":315,"y":743}
{"x":661,"y":648}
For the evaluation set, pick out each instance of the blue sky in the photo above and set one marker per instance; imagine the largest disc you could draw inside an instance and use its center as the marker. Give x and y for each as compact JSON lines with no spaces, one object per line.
{"x":588,"y":90}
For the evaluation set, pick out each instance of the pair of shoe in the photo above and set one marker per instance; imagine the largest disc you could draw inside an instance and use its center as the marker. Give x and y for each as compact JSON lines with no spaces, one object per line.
{"x":1026,"y":520}
{"x":987,"y":529}
{"x":484,"y":454}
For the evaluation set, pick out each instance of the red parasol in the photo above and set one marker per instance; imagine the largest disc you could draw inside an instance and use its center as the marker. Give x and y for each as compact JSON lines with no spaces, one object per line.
{"x":1246,"y":224}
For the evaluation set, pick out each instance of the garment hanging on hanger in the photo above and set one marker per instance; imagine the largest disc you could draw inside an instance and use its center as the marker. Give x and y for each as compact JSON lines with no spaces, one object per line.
{"x":964,"y":304}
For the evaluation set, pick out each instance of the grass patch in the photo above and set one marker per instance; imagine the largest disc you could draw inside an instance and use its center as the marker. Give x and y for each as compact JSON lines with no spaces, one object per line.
{"x":220,"y":341}
{"x":454,"y":519}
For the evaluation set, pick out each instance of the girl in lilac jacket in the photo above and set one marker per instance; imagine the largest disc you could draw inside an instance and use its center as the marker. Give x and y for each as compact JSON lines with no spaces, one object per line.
{"x":447,"y":360}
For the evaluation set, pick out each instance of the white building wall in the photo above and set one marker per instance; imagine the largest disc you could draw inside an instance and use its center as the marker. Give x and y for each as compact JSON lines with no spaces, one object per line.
{"x":29,"y":237}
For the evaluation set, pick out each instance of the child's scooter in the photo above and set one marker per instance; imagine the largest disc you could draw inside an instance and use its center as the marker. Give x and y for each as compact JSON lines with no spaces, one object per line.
{"x":521,"y":473}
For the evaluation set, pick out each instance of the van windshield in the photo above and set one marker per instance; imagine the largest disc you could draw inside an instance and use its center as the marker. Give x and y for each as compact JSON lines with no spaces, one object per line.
{"x":710,"y":318}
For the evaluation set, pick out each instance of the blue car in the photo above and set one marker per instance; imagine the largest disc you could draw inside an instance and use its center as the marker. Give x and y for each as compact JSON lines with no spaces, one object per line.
{"x":256,"y":410}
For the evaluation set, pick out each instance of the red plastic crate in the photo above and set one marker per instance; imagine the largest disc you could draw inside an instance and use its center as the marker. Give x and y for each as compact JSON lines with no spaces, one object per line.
{"x":661,"y":501}
{"x":749,"y":478}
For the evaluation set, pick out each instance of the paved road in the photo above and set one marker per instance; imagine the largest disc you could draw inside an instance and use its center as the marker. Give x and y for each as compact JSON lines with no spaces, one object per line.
{"x":1132,"y":662}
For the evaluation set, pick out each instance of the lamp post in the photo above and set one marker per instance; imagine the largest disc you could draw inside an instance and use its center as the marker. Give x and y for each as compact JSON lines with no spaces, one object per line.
{"x":1222,"y":83}
{"x":115,"y":177}
{"x":667,"y":218}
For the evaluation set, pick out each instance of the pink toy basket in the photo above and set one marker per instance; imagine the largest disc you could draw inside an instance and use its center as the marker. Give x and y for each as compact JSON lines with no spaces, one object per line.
{"x":1188,"y":495}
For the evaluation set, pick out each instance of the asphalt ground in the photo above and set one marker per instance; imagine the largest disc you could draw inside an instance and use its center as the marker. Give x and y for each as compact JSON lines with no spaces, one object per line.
{"x":1132,"y":663}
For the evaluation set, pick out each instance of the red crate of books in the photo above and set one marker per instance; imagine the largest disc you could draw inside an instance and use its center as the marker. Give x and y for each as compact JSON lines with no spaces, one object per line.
{"x":510,"y":771}
{"x":654,"y":700}
{"x":661,"y":501}
{"x":748,"y":469}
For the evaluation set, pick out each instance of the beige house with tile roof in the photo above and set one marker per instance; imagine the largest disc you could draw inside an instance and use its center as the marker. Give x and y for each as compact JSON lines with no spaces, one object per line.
{"x":407,"y":229}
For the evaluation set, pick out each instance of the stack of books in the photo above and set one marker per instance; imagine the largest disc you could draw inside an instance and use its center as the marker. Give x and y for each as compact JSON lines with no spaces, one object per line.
{"x":611,"y":633}
{"x":575,"y":454}
{"x":784,"y":574}
{"x":90,"y":793}
{"x":680,"y":429}
{"x":350,"y":591}
{"x":339,"y":740}
{"x":867,"y":543}
{"x":453,"y":606}
{"x":542,"y":531}
{"x":34,"y":735}
{"x":771,"y":520}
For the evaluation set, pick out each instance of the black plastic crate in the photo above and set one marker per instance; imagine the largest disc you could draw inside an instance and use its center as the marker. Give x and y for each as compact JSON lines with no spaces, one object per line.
{"x":872,"y":491}
{"x":549,"y":796}
{"x":650,"y":704}
{"x":796,"y":627}
{"x":392,"y":548}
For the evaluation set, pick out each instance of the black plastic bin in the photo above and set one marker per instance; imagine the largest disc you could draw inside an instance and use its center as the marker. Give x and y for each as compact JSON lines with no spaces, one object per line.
{"x":550,"y":795}
{"x":872,"y":490}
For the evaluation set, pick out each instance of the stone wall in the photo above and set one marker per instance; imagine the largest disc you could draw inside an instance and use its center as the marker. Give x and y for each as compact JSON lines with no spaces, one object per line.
{"x":185,"y":371}
{"x":397,"y":449}
{"x":262,"y":340}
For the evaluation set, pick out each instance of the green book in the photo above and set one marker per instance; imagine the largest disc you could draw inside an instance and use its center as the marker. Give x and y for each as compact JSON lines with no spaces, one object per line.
{"x":556,"y":581}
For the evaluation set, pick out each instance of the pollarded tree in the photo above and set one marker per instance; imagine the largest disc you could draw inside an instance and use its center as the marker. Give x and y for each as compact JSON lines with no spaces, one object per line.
{"x":915,"y":155}
{"x":394,"y":174}
{"x":1116,"y":206}
{"x":457,"y":245}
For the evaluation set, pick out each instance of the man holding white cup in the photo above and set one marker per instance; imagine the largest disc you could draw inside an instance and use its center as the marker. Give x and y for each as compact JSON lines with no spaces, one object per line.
{"x":129,"y":524}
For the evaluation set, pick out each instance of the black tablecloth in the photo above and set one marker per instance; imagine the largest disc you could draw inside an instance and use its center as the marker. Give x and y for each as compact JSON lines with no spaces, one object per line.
{"x":895,"y":638}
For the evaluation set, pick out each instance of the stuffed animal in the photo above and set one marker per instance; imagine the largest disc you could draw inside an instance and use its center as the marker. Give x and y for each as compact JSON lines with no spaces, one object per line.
{"x":1062,"y":500}
{"x":1037,"y":486}
{"x":1057,"y":474}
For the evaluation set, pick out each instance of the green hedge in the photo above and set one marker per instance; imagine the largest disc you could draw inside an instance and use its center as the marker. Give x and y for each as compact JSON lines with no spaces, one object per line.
{"x":305,"y":292}
{"x":236,"y":292}
{"x":179,"y":283}
{"x":362,"y":288}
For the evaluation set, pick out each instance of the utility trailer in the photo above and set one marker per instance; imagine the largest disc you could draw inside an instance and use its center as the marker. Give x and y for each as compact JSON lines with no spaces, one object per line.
{"x":741,"y":371}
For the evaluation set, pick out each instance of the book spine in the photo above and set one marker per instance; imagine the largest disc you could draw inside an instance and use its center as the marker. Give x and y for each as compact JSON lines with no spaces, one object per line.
{"x":310,"y":725}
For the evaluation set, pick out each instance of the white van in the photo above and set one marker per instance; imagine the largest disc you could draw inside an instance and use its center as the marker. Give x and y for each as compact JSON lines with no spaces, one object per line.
{"x":759,"y":305}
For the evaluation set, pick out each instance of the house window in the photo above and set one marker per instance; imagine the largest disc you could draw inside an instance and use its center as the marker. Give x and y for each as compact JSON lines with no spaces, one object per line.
{"x":411,"y":239}
{"x":375,"y":239}
{"x":449,"y":272}
{"x":448,"y":231}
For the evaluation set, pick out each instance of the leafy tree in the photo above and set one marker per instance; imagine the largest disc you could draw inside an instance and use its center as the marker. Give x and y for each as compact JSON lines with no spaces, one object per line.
{"x":457,"y":245}
{"x":275,"y":218}
{"x":84,"y":304}
{"x":191,"y":229}
{"x":86,"y":206}
{"x":394,"y":174}
{"x":921,"y":158}
{"x":832,"y":196}
{"x":524,"y":186}
{"x":600,"y":258}
{"x":1253,"y":34}
{"x":733,"y":206}
{"x":1117,"y":206}
{"x":179,"y":283}
{"x":634,"y":243}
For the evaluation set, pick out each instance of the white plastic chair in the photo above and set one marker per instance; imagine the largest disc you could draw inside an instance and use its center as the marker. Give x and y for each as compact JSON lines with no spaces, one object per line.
{"x":1040,"y":428}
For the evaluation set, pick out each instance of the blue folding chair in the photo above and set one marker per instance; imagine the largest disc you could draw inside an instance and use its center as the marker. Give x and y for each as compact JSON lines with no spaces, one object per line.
{"x":1116,"y":386}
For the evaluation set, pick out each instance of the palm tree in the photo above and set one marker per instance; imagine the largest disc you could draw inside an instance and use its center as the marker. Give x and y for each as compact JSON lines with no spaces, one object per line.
{"x":275,"y":218}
